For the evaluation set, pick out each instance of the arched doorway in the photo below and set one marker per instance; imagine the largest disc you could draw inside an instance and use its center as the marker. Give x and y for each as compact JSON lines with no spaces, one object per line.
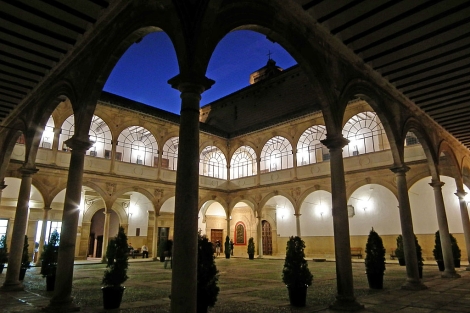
{"x":267,"y":239}
{"x":95,"y":241}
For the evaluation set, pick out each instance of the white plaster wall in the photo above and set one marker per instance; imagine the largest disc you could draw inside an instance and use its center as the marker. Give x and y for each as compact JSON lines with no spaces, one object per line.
{"x":139,"y":207}
{"x":284,"y":216}
{"x":375,"y":206}
{"x":316,"y":218}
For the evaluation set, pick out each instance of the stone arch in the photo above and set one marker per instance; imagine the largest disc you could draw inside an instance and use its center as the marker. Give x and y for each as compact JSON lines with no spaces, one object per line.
{"x":278,"y":193}
{"x":414,"y":126}
{"x":465,"y":167}
{"x":372,"y":180}
{"x":359,"y":88}
{"x":8,"y":143}
{"x":446,"y":149}
{"x":211,"y":199}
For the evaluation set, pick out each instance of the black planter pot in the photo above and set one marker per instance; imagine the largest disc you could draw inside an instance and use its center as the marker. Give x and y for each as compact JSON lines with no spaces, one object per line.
{"x":201,"y":307}
{"x":22,"y":273}
{"x":401,"y":262}
{"x":297,"y":295}
{"x":2,"y":266}
{"x":457,"y":263}
{"x":376,"y":280}
{"x":227,"y":255}
{"x":251,"y":256}
{"x":420,"y":269}
{"x":50,"y":282}
{"x":112,"y":297}
{"x":440,"y":264}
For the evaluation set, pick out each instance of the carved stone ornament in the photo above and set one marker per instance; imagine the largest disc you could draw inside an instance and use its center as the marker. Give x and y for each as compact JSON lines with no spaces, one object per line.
{"x":295,"y":192}
{"x":110,"y":188}
{"x":158,"y":193}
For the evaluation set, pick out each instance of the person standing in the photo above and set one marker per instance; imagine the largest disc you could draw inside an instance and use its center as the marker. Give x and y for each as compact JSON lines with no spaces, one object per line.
{"x":145,"y":252}
{"x":231,"y":247}
{"x":217,"y":248}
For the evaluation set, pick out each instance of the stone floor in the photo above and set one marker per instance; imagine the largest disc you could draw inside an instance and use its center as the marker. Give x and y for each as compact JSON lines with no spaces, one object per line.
{"x":250,"y":286}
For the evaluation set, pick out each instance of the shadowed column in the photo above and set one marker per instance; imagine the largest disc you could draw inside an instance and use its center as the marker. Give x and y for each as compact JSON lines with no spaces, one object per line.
{"x":345,"y":299}
{"x":62,"y":300}
{"x":412,"y":281}
{"x":12,"y":282}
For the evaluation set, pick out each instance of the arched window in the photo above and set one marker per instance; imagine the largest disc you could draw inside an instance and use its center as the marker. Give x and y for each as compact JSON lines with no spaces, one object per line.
{"x":243,"y":162}
{"x":101,"y":136}
{"x":309,"y":148}
{"x":365,"y":134}
{"x":137,"y":145}
{"x":170,"y":154}
{"x":47,"y":137}
{"x":99,"y":133}
{"x":213,"y":163}
{"x":411,"y":139}
{"x":276,"y":155}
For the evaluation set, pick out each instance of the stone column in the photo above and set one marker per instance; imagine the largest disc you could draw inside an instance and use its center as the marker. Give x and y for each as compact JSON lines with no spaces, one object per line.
{"x":55,"y":144}
{"x":184,"y":274}
{"x":62,"y":300}
{"x":465,"y":222}
{"x":412,"y":281}
{"x":42,"y":239}
{"x":155,"y":236}
{"x":258,"y":169}
{"x":107,"y":216}
{"x":2,"y":186}
{"x":12,"y":282}
{"x":345,"y":298}
{"x":260,"y":237}
{"x":297,"y":223}
{"x":444,"y":234}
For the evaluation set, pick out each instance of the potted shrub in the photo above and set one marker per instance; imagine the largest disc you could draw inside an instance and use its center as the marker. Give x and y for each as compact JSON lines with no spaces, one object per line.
{"x":437,"y":252}
{"x":227,"y":247}
{"x":455,"y":251}
{"x":49,"y":260}
{"x":207,"y":275}
{"x":399,"y":252}
{"x":419,"y":257}
{"x":3,"y":252}
{"x":251,"y":248}
{"x":295,"y":273}
{"x":375,"y":260}
{"x":25,"y":262}
{"x":116,"y":271}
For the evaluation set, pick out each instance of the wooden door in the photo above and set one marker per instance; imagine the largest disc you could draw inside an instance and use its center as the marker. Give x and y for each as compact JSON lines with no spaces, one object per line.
{"x":267,"y":239}
{"x":217,"y":234}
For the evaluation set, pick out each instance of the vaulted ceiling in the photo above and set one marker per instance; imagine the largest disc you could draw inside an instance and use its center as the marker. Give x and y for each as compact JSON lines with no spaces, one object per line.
{"x":422,"y":47}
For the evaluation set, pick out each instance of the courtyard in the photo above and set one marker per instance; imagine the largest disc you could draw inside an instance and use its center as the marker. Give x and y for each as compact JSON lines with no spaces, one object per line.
{"x":249,"y":286}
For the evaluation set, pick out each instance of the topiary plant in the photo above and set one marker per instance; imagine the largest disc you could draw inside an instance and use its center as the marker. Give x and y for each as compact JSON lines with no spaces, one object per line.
{"x":227,"y":247}
{"x":251,"y":248}
{"x":207,"y":275}
{"x":296,"y":271}
{"x":375,"y":254}
{"x":49,"y":255}
{"x":3,"y":250}
{"x":25,"y":262}
{"x":117,"y":260}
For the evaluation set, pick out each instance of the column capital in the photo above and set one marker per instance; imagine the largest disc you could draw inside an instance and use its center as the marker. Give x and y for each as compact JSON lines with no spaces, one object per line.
{"x":185,"y":84}
{"x":27,"y":171}
{"x":402,"y":169}
{"x":436,"y":184}
{"x":78,"y":144}
{"x":297,"y":214}
{"x":335,"y":141}
{"x":460,"y":194}
{"x":47,"y":208}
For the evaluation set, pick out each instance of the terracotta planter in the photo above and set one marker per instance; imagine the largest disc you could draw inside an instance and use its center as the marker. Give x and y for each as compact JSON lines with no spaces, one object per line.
{"x":376,"y":280}
{"x":297,"y":295}
{"x":112,"y":297}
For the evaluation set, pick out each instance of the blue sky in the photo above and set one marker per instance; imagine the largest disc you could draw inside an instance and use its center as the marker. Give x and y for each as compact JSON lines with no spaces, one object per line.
{"x":143,"y":71}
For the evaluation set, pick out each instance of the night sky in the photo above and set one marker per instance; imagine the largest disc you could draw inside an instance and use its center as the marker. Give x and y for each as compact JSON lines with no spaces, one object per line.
{"x":143,"y":71}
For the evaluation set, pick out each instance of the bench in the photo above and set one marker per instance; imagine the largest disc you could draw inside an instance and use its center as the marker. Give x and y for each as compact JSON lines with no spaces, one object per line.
{"x":356,"y":251}
{"x":135,"y":252}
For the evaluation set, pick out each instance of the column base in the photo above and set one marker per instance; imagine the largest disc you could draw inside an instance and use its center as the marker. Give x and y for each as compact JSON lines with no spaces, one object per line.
{"x":348,"y":304}
{"x":452,"y":274}
{"x":17,"y":286}
{"x":467,"y":268}
{"x":61,"y":306}
{"x":413,"y":285}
